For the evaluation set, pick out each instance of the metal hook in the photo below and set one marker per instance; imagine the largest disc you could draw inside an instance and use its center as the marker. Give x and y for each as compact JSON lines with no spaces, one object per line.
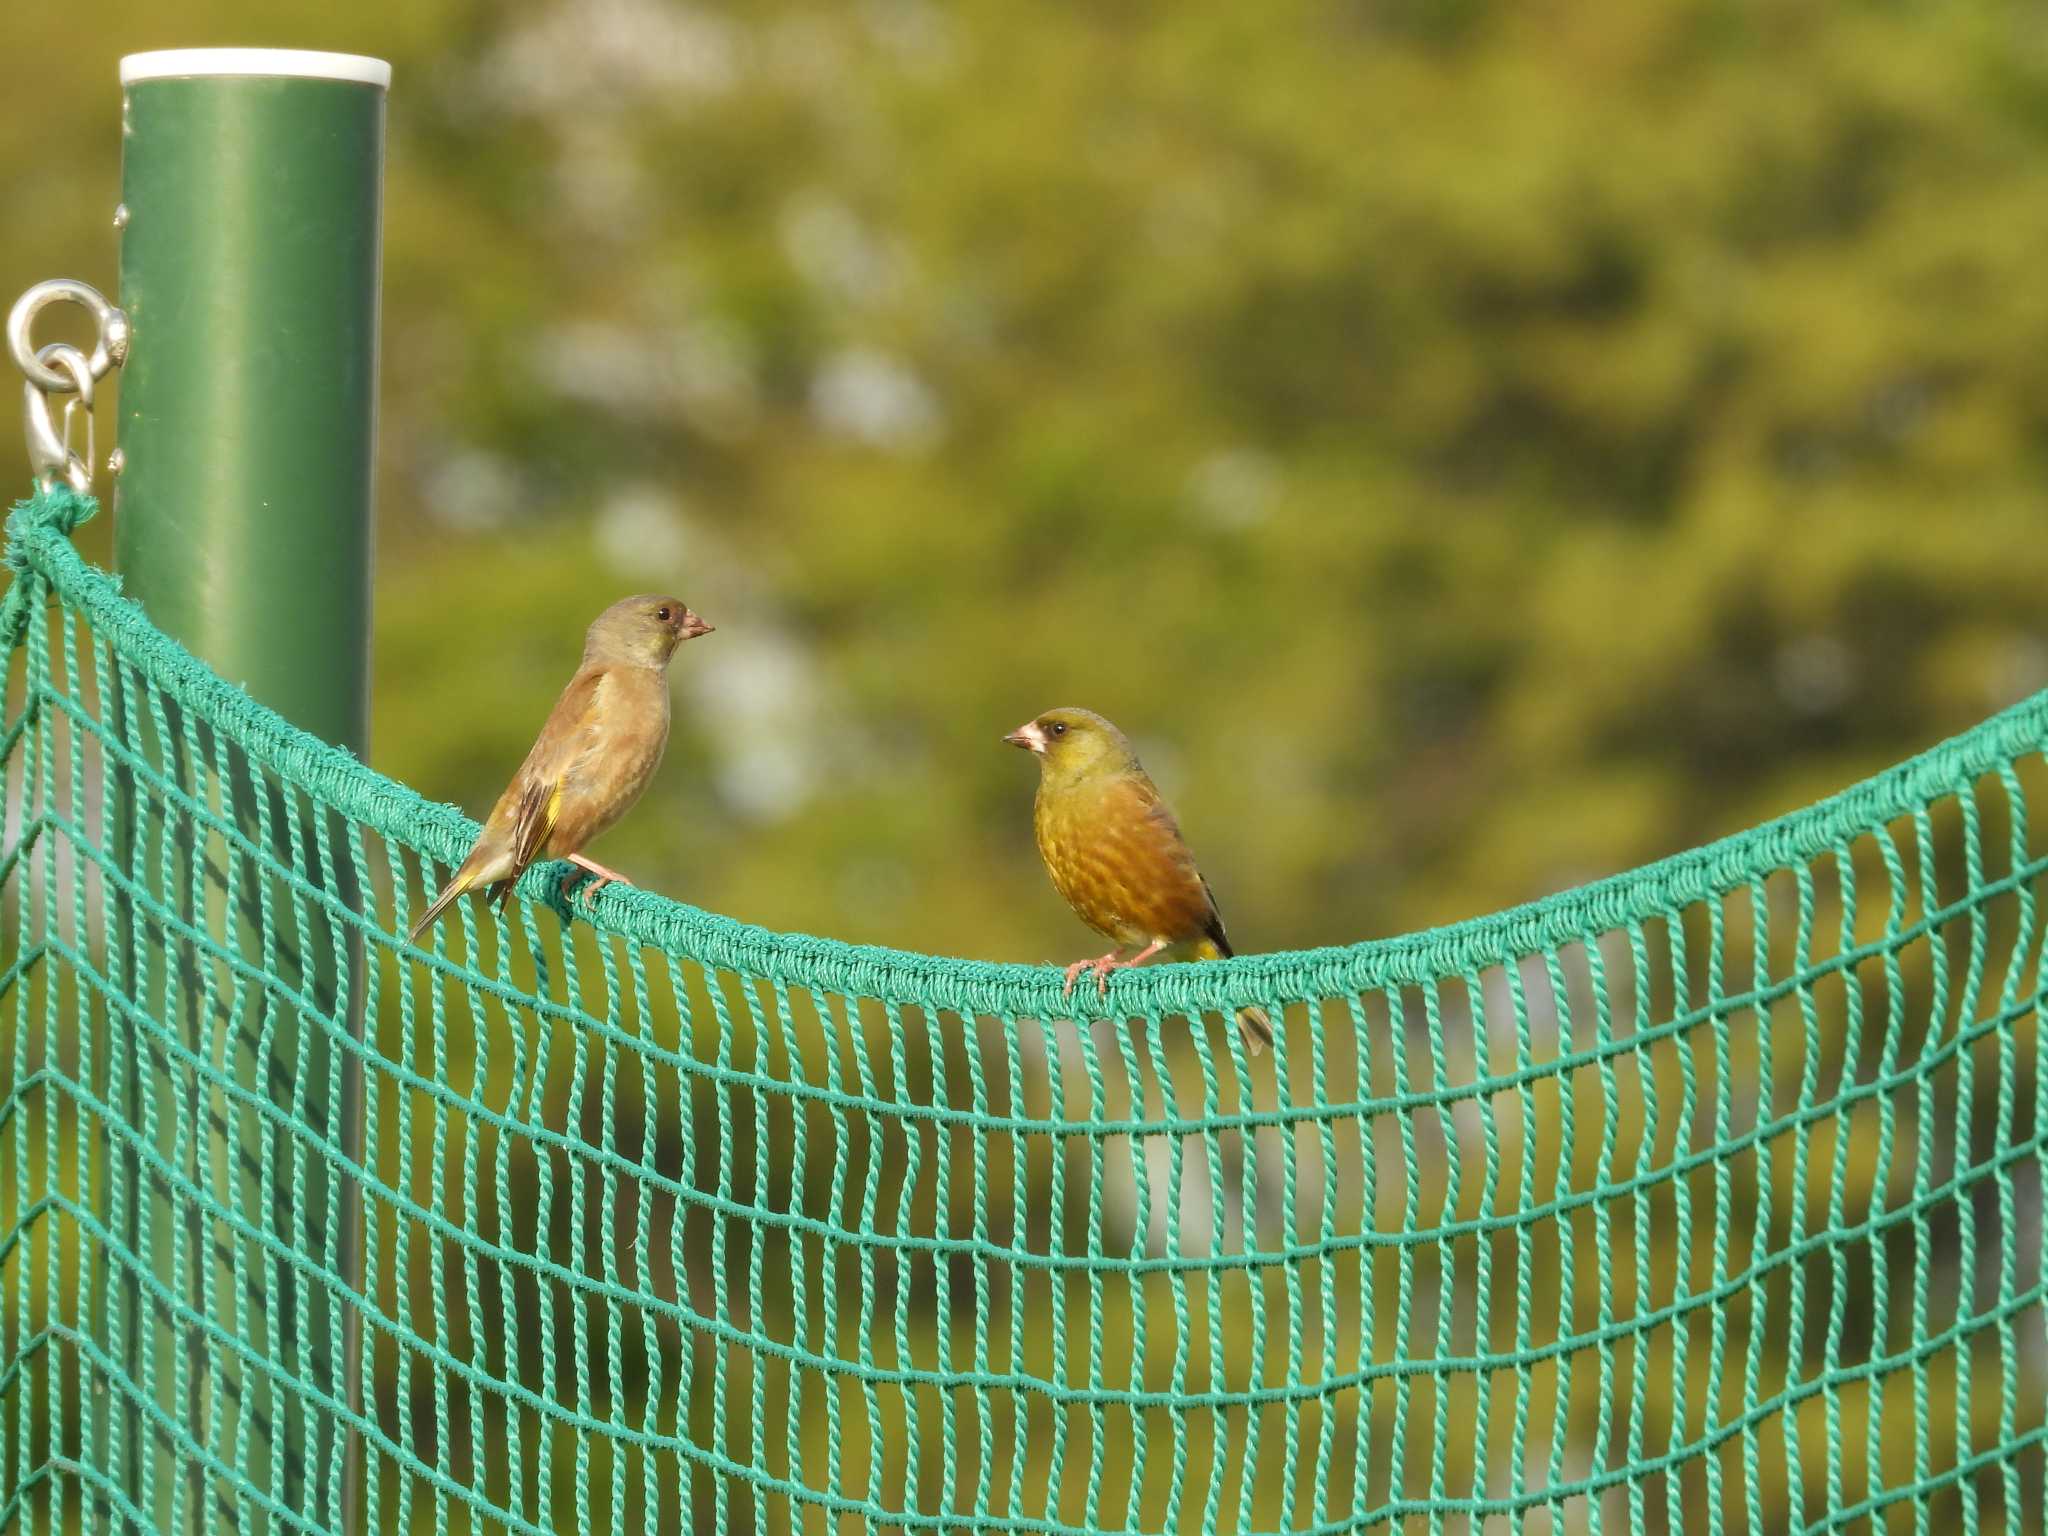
{"x":49,"y":452}
{"x":61,"y":369}
{"x":110,"y":341}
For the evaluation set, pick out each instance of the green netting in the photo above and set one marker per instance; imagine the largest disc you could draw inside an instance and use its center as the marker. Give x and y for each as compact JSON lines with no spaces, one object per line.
{"x":1706,"y":1198}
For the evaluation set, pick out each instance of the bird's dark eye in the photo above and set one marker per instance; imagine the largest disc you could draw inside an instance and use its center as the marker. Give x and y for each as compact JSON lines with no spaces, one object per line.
{"x":663,"y":614}
{"x":1059,"y":727}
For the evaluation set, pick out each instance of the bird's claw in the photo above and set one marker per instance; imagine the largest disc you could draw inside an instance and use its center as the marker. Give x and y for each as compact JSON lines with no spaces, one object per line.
{"x":1101,"y":965}
{"x":600,"y":878}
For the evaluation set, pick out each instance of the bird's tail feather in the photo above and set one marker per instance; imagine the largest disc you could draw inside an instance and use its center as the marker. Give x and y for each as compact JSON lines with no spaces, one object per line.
{"x":1258,"y":1029}
{"x":1256,"y":1023}
{"x":462,"y":881}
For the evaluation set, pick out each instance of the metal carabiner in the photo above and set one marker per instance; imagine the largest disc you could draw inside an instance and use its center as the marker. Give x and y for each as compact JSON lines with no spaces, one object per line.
{"x":110,"y":338}
{"x":50,"y":455}
{"x":61,"y":369}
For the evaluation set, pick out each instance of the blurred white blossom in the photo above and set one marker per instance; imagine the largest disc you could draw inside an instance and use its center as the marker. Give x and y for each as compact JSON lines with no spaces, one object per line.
{"x":867,"y":395}
{"x":762,"y":712}
{"x":593,"y":53}
{"x":760,"y":707}
{"x":703,"y":371}
{"x":833,"y":251}
{"x":920,"y":36}
{"x":1235,"y":488}
{"x":474,"y":491}
{"x":640,"y":531}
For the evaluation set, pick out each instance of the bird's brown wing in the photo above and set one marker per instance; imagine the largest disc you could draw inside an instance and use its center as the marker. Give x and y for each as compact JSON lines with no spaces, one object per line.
{"x":533,"y":817}
{"x":566,"y":739}
{"x":1210,"y":942}
{"x":1128,"y":871}
{"x":527,"y":814}
{"x":517,"y":829}
{"x":1213,"y":929}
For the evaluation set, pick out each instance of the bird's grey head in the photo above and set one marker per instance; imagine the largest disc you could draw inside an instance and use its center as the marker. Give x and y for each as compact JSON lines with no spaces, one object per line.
{"x":642,"y":631}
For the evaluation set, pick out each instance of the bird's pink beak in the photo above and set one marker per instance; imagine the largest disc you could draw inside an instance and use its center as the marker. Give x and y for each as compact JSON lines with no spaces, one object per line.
{"x":693,"y":626}
{"x":1027,"y":736}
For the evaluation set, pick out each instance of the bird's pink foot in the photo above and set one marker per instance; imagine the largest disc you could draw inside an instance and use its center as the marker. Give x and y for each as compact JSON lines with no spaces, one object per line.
{"x":604,"y":877}
{"x":1102,"y":964}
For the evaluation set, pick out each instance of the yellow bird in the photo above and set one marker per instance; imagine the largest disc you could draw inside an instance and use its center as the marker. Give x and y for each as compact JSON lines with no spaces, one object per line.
{"x":600,"y":746}
{"x":1115,"y":852}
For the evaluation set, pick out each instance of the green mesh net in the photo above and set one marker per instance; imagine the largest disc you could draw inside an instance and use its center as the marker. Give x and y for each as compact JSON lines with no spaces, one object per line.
{"x":1705,"y":1198}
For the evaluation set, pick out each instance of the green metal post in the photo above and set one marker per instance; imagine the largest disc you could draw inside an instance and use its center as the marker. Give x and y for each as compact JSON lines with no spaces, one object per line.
{"x":250,"y":234}
{"x":249,"y":268}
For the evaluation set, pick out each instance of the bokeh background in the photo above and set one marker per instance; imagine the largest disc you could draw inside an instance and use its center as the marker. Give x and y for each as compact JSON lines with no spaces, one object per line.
{"x":1472,"y":447}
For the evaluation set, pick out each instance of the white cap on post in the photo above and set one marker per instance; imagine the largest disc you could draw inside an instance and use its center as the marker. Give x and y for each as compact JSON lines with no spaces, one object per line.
{"x":185,"y":63}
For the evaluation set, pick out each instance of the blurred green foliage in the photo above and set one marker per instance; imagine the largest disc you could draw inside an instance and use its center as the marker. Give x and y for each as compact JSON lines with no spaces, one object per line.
{"x":1470,"y":447}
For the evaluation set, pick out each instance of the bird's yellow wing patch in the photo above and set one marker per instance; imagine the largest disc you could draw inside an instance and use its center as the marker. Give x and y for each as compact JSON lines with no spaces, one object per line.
{"x":540,"y":807}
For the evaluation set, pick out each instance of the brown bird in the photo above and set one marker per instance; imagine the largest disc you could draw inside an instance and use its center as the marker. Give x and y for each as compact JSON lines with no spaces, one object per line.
{"x":600,"y":746}
{"x":1115,"y":852}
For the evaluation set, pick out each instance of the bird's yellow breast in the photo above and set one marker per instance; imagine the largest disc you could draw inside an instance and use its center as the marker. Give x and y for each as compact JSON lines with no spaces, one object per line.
{"x":1107,"y":860}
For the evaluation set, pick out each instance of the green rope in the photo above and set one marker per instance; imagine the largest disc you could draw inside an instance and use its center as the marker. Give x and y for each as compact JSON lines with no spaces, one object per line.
{"x":1707,"y":1196}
